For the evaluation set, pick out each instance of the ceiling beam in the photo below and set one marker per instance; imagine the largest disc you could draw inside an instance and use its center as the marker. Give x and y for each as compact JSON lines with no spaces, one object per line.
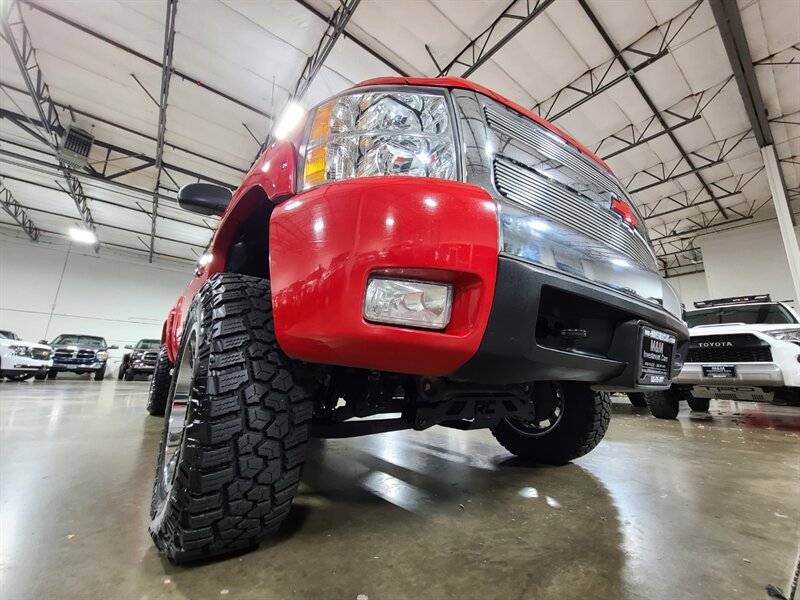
{"x":17,"y":212}
{"x":646,"y":97}
{"x":145,"y":58}
{"x":347,"y":35}
{"x":18,"y":38}
{"x":163,"y":99}
{"x":491,"y":39}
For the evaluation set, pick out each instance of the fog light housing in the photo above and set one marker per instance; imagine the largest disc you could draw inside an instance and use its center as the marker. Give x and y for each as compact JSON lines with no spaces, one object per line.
{"x":408,"y":302}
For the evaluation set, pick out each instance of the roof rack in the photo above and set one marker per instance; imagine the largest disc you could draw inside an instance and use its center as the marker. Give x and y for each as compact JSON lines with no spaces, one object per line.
{"x":734,"y":300}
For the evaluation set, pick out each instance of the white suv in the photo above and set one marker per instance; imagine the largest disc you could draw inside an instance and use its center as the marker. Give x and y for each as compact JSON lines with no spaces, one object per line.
{"x":21,"y":360}
{"x":745,"y":348}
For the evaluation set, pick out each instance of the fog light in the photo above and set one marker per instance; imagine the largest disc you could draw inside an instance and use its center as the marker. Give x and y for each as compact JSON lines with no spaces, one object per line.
{"x":411,"y":303}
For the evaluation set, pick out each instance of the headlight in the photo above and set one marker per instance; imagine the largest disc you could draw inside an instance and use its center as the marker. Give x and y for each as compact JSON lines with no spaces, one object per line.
{"x":18,"y":350}
{"x":787,"y":335}
{"x":138,"y":355}
{"x":380,"y":133}
{"x":101,"y":355}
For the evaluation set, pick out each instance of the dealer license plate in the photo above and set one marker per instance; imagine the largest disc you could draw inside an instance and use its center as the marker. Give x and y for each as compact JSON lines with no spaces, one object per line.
{"x":656,"y":356}
{"x":719,"y":371}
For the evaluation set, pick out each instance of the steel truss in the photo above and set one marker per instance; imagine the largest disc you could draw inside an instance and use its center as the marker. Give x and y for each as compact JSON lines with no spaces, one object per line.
{"x":618,"y":68}
{"x":17,"y":212}
{"x":664,"y":172}
{"x":677,"y":116}
{"x":166,"y":76}
{"x":502,"y":30}
{"x":18,"y":38}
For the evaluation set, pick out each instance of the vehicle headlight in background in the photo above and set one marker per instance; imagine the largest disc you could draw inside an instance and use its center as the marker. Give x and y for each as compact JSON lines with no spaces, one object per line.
{"x":18,"y":350}
{"x":101,"y":355}
{"x":380,"y":133}
{"x":138,"y":355}
{"x":786,"y":335}
{"x":407,"y":302}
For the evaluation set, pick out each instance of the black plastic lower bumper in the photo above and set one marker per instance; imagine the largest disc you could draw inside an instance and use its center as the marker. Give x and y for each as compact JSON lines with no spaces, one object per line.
{"x":549,"y":326}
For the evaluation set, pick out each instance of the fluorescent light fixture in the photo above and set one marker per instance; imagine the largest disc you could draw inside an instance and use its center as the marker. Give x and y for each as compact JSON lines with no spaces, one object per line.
{"x":289,"y":119}
{"x":82,"y":236}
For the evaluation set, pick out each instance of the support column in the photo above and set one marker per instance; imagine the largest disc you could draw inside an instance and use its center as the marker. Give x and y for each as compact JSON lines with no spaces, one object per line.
{"x":784,"y":213}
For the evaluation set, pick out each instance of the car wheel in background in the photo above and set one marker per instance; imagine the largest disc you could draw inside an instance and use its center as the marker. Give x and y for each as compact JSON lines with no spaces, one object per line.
{"x":100,"y":374}
{"x":663,"y":404}
{"x":40,"y":375}
{"x":52,"y":374}
{"x":236,"y":428}
{"x":159,"y":384}
{"x":130,"y":374}
{"x":637,"y":399}
{"x":699,"y":404}
{"x":121,"y":372}
{"x":571,"y":421}
{"x":19,"y":377}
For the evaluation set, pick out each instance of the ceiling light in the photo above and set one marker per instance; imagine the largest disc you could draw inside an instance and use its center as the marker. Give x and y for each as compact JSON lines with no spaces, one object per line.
{"x":82,"y":236}
{"x":289,"y":119}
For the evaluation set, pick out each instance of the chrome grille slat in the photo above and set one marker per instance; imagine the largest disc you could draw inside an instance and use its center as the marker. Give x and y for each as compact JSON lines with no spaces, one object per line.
{"x":540,"y":140}
{"x":550,"y":199}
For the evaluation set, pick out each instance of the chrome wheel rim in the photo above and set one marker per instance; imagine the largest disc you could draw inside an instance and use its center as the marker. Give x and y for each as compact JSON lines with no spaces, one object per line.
{"x":544,"y":424}
{"x":179,"y":401}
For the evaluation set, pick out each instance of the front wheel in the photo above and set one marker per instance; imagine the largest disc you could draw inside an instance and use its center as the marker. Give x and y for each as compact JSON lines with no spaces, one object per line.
{"x":663,"y":404}
{"x":159,"y":384}
{"x":121,"y":372}
{"x":19,"y":376}
{"x":52,"y":374}
{"x":130,"y":374}
{"x":570,"y":421}
{"x":236,"y":427}
{"x":40,"y":375}
{"x":100,"y":374}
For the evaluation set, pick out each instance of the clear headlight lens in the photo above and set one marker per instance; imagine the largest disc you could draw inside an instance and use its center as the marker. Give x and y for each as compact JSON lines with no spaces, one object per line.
{"x":101,"y":355}
{"x":787,"y":335}
{"x":408,"y":302}
{"x":18,"y":350}
{"x":380,"y":133}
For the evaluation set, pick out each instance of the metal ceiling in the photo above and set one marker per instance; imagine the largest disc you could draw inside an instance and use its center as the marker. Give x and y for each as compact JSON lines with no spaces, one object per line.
{"x":185,"y":90}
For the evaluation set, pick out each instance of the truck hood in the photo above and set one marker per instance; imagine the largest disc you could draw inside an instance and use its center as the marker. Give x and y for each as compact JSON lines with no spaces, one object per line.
{"x":728,"y":329}
{"x":78,"y":347}
{"x":5,"y":343}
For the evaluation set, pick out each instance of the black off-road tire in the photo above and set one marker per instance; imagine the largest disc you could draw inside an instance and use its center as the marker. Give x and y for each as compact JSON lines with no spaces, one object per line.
{"x":159,"y":384}
{"x":130,"y":374}
{"x":663,"y":404}
{"x":40,"y":375}
{"x":245,"y":433}
{"x":100,"y":374}
{"x":699,"y":404}
{"x":637,"y":399}
{"x":52,"y":374}
{"x":583,"y":423}
{"x":19,"y":377}
{"x":121,"y":371}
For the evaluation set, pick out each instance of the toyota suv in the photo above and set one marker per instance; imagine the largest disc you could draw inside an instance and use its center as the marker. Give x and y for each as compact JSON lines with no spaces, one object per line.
{"x":413,"y":252}
{"x":745,"y":348}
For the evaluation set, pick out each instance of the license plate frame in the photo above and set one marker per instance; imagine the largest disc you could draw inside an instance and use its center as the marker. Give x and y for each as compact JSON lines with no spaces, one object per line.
{"x":719,"y":371}
{"x":655,"y":353}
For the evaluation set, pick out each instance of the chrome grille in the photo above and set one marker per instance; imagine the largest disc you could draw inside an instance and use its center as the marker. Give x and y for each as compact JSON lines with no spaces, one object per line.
{"x":86,"y":353}
{"x":63,"y":353}
{"x":539,"y":194}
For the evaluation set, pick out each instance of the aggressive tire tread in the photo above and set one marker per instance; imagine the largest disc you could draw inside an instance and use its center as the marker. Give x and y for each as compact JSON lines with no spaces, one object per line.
{"x":159,"y":384}
{"x":247,"y":437}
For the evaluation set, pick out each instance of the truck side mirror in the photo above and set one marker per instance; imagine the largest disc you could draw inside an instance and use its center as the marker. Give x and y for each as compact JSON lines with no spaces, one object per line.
{"x":204,"y":198}
{"x":114,"y":347}
{"x":128,"y":347}
{"x":43,"y":342}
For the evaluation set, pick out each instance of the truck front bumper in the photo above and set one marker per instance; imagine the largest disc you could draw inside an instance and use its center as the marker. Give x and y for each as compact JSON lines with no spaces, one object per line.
{"x":78,"y":367}
{"x":326,"y":243}
{"x":24,"y":364}
{"x":760,"y":374}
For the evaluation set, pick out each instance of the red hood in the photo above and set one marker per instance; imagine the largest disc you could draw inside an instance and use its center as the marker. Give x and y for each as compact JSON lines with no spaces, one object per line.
{"x":458,"y":82}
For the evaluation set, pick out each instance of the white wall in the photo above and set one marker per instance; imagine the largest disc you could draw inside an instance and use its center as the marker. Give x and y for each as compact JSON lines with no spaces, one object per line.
{"x":747,"y":260}
{"x":49,"y":287}
{"x":691,"y":287}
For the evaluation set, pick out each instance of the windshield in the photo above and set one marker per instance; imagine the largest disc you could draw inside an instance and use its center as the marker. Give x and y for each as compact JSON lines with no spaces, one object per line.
{"x":80,"y":340}
{"x":9,"y":335}
{"x":749,"y":314}
{"x":148,"y":344}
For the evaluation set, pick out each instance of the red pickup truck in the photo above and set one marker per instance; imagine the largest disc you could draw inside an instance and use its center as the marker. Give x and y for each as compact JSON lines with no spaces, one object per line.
{"x":420,"y":248}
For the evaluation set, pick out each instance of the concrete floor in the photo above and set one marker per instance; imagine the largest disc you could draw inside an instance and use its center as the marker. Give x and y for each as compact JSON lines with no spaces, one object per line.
{"x":683,"y":509}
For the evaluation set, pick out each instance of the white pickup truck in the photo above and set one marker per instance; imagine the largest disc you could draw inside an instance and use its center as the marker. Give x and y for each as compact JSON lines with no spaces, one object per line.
{"x":745,"y":348}
{"x":20,"y":360}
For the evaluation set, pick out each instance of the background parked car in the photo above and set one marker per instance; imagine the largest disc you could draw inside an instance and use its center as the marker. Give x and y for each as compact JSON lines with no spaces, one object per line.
{"x":141,"y":360}
{"x":78,"y":353}
{"x":20,"y":360}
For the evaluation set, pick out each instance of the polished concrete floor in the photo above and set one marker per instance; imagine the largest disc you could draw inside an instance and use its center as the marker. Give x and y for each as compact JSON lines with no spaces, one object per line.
{"x":693,"y":508}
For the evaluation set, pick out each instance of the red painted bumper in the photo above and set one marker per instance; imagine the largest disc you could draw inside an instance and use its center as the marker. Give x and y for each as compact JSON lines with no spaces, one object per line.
{"x":325,"y":243}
